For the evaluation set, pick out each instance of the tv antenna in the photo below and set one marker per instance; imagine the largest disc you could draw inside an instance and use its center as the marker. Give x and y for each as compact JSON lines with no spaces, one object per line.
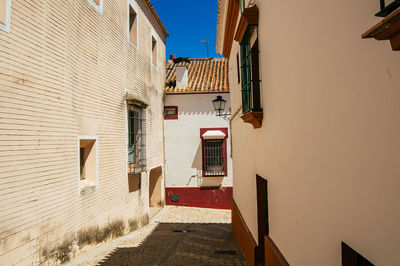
{"x":206,"y":44}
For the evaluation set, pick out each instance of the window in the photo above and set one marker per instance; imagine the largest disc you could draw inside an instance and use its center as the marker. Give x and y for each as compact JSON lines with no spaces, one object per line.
{"x":88,"y":163}
{"x":250,"y":72}
{"x":154,"y":50}
{"x":97,"y":4}
{"x":137,"y":139}
{"x":247,"y":35}
{"x":133,"y":24}
{"x":5,"y":11}
{"x":214,"y":151}
{"x":170,"y":112}
{"x":350,"y":257}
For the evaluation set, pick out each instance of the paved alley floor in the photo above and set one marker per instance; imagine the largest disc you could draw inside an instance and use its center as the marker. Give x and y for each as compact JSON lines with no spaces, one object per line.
{"x":174,"y":236}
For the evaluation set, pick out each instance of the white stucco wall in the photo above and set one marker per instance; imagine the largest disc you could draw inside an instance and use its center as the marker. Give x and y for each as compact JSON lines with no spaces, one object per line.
{"x":183,"y":154}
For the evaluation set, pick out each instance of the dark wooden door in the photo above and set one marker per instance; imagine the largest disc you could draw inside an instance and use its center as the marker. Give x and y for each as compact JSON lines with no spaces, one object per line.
{"x":262,"y":217}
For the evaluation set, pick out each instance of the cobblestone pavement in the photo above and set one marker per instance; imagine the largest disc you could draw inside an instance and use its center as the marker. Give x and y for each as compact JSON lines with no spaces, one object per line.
{"x":175,"y":236}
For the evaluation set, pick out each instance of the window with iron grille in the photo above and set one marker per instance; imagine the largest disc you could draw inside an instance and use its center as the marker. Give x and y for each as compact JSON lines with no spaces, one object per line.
{"x":214,"y":158}
{"x":137,"y":139}
{"x":249,"y":70}
{"x":214,"y":154}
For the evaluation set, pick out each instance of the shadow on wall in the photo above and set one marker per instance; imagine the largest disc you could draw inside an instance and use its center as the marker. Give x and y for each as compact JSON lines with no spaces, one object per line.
{"x":211,"y":181}
{"x":182,"y":244}
{"x":134,"y":182}
{"x":155,"y":187}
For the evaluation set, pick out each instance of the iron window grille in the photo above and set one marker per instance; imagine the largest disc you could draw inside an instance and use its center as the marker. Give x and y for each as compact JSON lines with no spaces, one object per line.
{"x":137,"y":139}
{"x":214,"y":159}
{"x":387,"y":9}
{"x":214,"y":154}
{"x":250,"y":72}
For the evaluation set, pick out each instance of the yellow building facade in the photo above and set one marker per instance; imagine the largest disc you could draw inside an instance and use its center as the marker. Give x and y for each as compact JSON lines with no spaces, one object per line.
{"x":72,"y":76}
{"x":315,"y":126}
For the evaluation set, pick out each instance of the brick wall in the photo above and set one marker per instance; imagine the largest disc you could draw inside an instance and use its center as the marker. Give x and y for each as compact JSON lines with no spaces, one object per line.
{"x":64,"y":72}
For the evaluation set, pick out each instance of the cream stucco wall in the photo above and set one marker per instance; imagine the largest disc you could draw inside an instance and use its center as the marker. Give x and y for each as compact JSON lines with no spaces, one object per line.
{"x":64,"y":72}
{"x":183,"y":154}
{"x":329,"y":145}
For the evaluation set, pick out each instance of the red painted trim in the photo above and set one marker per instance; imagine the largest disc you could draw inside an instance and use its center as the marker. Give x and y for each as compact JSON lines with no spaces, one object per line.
{"x":215,"y":198}
{"x":224,"y":150}
{"x":171,"y":117}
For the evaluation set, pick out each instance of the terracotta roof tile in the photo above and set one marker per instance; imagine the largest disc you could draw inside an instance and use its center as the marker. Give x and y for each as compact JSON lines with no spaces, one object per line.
{"x":205,"y":75}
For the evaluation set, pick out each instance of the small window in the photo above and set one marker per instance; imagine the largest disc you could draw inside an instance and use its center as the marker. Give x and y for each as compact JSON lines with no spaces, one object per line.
{"x":97,"y":4}
{"x":88,"y":163}
{"x":214,"y":151}
{"x":137,"y":139}
{"x":133,"y":24}
{"x":171,"y":112}
{"x":5,"y":10}
{"x":154,"y":50}
{"x":350,"y":257}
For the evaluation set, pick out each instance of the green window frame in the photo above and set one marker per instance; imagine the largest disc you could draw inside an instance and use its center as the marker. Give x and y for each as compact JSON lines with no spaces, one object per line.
{"x":250,"y":72}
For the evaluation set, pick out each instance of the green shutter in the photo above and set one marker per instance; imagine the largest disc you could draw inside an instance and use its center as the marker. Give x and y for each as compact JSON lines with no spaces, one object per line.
{"x":248,"y":84}
{"x":245,"y":52}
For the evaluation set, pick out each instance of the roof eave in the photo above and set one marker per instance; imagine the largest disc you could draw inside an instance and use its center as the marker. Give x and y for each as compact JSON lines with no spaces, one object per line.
{"x":156,"y":17}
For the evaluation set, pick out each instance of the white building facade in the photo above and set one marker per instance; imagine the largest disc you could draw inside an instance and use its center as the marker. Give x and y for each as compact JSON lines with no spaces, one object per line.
{"x":197,"y":141}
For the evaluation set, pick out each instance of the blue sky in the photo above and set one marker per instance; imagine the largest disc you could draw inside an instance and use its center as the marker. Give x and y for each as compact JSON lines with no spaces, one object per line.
{"x":188,"y":22}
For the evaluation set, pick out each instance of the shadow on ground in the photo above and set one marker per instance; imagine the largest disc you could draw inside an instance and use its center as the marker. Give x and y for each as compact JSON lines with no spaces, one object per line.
{"x":182,"y":244}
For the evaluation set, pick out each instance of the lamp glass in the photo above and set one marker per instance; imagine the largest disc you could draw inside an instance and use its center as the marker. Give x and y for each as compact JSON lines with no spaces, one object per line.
{"x":219,"y":103}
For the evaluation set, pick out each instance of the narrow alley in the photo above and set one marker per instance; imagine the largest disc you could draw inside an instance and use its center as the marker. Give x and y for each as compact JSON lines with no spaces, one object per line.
{"x":174,"y":236}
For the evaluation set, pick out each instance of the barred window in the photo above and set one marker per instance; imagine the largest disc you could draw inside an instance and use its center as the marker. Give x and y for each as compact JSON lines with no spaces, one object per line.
{"x":250,"y":71}
{"x":214,"y":151}
{"x":137,"y":139}
{"x":214,"y":158}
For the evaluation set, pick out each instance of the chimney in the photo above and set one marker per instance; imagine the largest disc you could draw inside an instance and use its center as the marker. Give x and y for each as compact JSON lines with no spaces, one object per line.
{"x":181,"y":77}
{"x":172,"y":57}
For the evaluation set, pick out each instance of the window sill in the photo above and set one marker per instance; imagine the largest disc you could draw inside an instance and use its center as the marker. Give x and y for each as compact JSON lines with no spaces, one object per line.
{"x":254,"y":118}
{"x":87,"y":186}
{"x":387,"y":29}
{"x":136,"y":169}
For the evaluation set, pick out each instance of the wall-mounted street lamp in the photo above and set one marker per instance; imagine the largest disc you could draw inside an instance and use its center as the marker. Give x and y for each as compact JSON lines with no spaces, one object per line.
{"x":219,"y":106}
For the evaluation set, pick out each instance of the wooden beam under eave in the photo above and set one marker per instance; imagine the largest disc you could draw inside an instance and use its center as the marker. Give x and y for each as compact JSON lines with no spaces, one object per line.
{"x":387,"y":29}
{"x":249,"y":17}
{"x":230,"y":26}
{"x":382,"y":25}
{"x":395,"y":42}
